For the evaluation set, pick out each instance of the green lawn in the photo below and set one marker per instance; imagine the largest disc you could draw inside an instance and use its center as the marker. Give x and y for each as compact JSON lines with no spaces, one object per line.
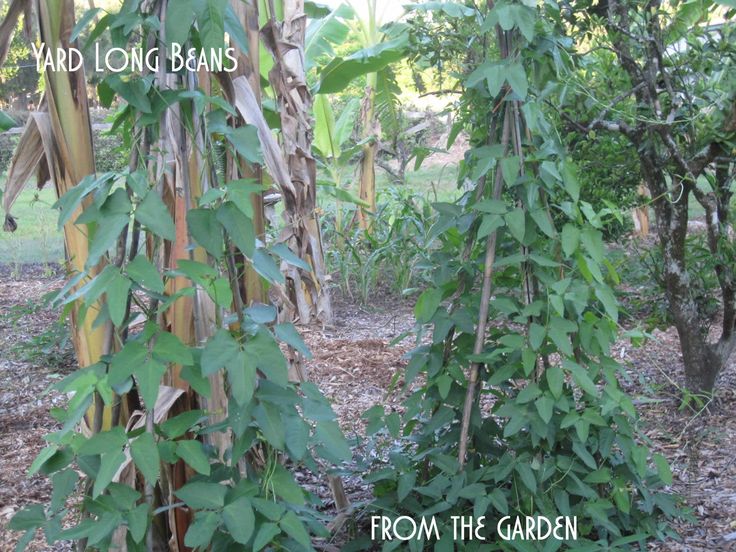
{"x":428,"y":180}
{"x":37,"y":239}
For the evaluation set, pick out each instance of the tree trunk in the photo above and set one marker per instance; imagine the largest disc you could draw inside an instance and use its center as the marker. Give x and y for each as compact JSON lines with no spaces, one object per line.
{"x":665,"y":150}
{"x":702,"y":360}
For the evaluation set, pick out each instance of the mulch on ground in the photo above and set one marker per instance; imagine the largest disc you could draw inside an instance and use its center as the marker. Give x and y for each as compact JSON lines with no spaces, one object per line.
{"x":24,"y":407}
{"x":700,"y":445}
{"x":354,"y":365}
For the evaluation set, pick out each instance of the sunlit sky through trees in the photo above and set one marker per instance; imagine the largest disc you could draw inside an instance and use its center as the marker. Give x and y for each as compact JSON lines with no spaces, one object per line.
{"x":387,"y":10}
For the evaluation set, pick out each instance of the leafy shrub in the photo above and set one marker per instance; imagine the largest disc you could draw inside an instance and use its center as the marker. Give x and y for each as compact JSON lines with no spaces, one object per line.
{"x":562,"y":440}
{"x":110,"y":154}
{"x":52,"y":346}
{"x":8,"y":143}
{"x":407,"y":144}
{"x":270,"y":420}
{"x":609,"y":175}
{"x":513,"y":404}
{"x":645,"y":297}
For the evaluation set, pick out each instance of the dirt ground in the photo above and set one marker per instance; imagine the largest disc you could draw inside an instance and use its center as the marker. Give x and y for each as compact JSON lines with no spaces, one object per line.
{"x":353,"y":364}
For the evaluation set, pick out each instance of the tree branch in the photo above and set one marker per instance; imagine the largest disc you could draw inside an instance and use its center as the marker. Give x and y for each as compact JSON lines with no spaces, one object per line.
{"x":705,"y":157}
{"x":600,"y":124}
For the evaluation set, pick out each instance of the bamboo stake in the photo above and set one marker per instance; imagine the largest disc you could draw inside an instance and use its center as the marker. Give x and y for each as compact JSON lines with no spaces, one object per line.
{"x":485,"y":298}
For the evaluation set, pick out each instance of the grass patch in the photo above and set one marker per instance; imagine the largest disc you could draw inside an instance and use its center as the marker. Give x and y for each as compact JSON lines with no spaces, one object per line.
{"x":438,"y":182}
{"x":37,"y":239}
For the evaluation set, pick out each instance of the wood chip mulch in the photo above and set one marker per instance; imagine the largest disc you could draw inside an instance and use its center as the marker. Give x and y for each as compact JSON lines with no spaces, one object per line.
{"x":353,"y":365}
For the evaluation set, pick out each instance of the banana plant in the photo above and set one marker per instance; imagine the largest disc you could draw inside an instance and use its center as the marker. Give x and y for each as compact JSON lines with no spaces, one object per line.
{"x":284,"y":38}
{"x":192,"y":378}
{"x":57,"y":146}
{"x":334,"y":153}
{"x":379,"y":105}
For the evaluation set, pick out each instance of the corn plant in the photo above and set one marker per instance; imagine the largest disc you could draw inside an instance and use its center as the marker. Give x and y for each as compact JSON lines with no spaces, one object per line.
{"x":394,"y":254}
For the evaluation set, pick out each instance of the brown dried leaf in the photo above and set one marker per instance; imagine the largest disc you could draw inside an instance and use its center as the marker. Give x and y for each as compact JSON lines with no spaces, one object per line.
{"x":32,"y":155}
{"x":7,"y":27}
